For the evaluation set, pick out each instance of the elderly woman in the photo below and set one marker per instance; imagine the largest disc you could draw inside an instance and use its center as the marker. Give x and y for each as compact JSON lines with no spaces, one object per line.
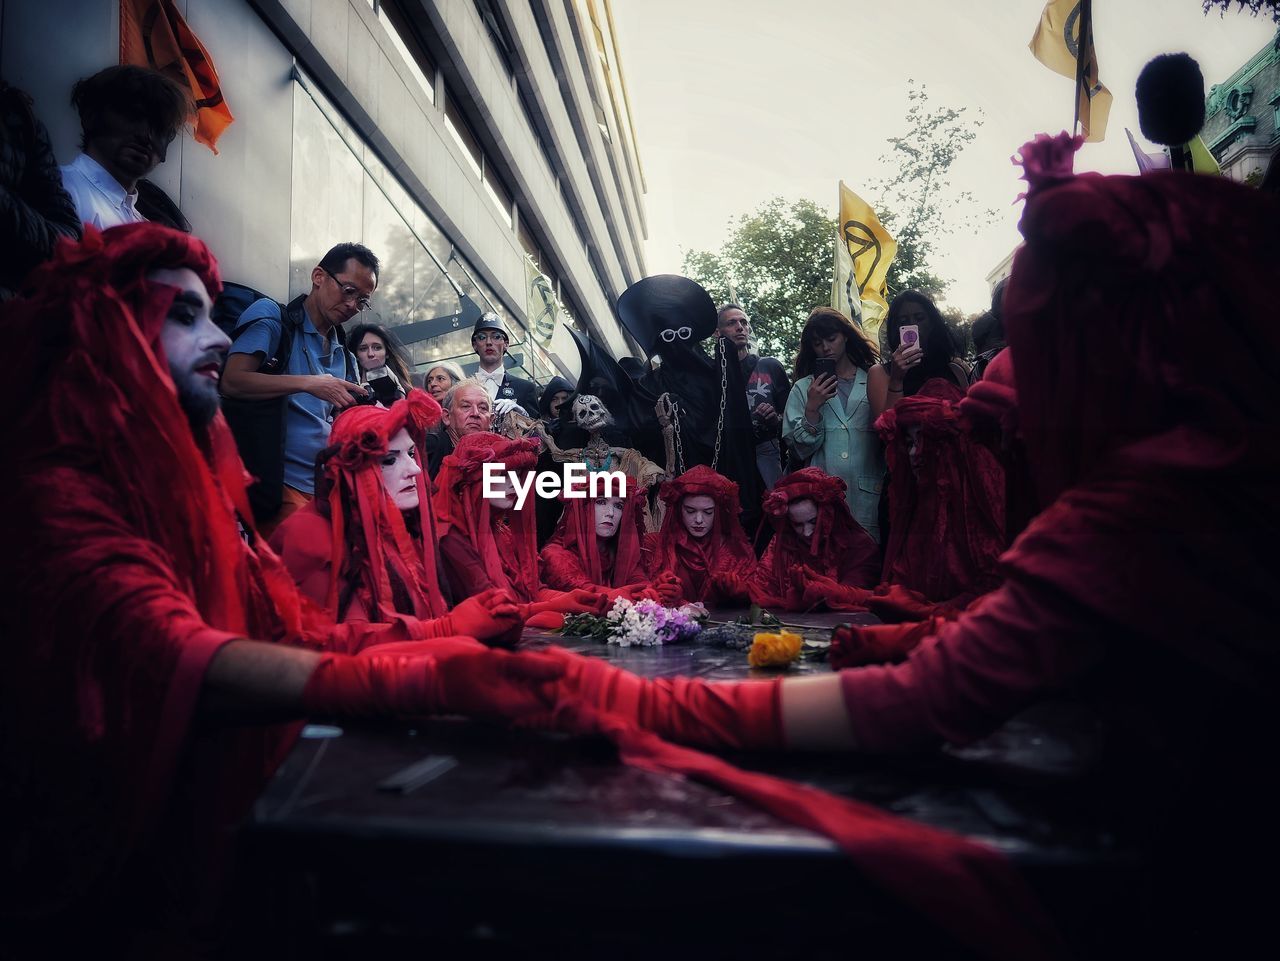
{"x":365,"y":547}
{"x":701,"y":544}
{"x":442,"y":377}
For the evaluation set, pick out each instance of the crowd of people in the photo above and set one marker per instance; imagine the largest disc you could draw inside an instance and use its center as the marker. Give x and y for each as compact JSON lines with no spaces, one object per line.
{"x":1091,"y":507}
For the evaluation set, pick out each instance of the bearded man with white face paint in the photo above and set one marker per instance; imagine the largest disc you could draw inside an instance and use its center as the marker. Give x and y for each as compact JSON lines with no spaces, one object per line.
{"x":160,"y":637}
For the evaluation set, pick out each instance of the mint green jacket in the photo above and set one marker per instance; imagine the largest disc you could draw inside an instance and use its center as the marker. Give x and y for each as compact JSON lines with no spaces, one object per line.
{"x":844,"y":444}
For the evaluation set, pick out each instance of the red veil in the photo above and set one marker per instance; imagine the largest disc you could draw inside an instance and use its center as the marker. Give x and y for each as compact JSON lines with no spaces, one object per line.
{"x":504,"y":543}
{"x":839,"y":549}
{"x":946,"y":498}
{"x":572,"y":558}
{"x":369,"y":552}
{"x":725,"y":549}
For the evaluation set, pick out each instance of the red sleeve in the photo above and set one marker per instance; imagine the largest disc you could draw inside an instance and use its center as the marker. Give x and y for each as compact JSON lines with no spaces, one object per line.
{"x":860,"y":565}
{"x":304,"y":543}
{"x":1010,"y":649}
{"x":463,"y":567}
{"x":101,"y":693}
{"x":562,"y":571}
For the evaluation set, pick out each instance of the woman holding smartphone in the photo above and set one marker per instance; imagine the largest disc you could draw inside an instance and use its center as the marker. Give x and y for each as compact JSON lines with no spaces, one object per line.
{"x":829,"y":421}
{"x":922,"y":349}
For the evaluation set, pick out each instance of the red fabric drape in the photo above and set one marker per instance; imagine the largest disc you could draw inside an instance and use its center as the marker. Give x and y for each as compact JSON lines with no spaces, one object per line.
{"x":946,"y":498}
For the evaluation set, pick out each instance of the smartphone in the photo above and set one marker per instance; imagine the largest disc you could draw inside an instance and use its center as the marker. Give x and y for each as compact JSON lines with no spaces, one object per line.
{"x":823,"y":365}
{"x":909,"y":334}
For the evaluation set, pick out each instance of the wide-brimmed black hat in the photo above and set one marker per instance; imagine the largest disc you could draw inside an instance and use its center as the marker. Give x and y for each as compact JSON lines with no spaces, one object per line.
{"x":490,"y":321}
{"x":666,"y":302}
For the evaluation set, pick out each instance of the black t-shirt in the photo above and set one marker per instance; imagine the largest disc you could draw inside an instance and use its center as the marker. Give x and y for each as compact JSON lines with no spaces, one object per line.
{"x":767,"y":383}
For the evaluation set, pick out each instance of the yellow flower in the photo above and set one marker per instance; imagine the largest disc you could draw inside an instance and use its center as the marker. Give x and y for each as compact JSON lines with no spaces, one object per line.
{"x":774,"y":650}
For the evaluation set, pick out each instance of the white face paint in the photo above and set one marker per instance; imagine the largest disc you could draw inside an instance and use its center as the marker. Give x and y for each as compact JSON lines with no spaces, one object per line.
{"x":400,"y":471}
{"x":803,"y":515}
{"x":504,"y":498}
{"x":698,"y":513}
{"x":590,"y":414}
{"x":193,"y":344}
{"x":608,"y":515}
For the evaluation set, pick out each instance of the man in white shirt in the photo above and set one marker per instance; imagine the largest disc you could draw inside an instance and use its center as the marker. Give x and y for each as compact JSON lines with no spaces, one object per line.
{"x":489,"y":341}
{"x":128,"y":117}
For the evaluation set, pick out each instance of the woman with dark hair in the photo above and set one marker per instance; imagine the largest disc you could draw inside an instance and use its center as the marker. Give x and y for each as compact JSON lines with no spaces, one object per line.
{"x":829,"y":420}
{"x":929,"y":354}
{"x":375,"y":348}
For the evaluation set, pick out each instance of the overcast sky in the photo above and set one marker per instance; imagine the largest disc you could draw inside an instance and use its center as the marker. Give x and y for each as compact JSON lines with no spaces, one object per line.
{"x":737,"y":101}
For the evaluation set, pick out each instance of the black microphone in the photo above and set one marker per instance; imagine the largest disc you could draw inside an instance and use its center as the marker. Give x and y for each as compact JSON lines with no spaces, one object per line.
{"x":1170,"y":96}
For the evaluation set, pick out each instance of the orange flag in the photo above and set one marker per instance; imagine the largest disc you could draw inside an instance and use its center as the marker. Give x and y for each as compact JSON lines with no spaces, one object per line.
{"x":153,"y":34}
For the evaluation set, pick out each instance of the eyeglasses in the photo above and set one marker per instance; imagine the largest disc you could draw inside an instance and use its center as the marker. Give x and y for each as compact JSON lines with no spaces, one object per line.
{"x":669,"y":335}
{"x":350,"y":293}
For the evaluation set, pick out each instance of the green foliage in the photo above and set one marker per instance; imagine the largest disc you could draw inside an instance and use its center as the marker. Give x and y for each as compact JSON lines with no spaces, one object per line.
{"x":1255,"y":7}
{"x":917,"y":203}
{"x":779,"y":258}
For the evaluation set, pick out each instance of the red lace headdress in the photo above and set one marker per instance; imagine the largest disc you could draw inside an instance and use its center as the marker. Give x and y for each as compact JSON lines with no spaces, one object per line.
{"x":506,"y":542}
{"x":1161,"y":453}
{"x":576,"y":533}
{"x":725,"y":546}
{"x":109,"y":401}
{"x":370,"y":539}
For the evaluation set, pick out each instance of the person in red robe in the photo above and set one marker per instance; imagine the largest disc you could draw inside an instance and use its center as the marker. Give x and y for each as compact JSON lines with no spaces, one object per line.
{"x":485,"y":542}
{"x":373,"y":514}
{"x":1144,"y":584}
{"x":818,"y":551}
{"x":597,"y":546}
{"x":157,"y":630}
{"x":946,"y":498}
{"x":701,"y":544}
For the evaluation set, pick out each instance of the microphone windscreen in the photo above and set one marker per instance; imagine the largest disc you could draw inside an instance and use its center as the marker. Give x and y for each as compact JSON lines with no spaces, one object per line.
{"x":1170,"y":95}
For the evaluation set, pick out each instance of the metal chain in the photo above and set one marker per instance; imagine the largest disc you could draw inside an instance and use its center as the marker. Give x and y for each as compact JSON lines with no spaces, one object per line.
{"x":723,"y":351}
{"x":675,"y":424}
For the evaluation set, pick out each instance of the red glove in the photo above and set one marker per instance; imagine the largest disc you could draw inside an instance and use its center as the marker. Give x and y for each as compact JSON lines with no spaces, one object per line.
{"x":731,"y":586}
{"x":894,"y":603}
{"x":577,"y":601}
{"x":546,"y":621}
{"x":742,"y":715}
{"x":669,"y":589}
{"x":854,"y":646}
{"x":820,"y":589}
{"x":489,"y":614}
{"x":457,"y":679}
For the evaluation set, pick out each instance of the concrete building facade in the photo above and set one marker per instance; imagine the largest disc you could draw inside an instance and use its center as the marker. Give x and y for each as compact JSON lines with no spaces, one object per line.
{"x":1242,"y":116}
{"x":458,"y":139}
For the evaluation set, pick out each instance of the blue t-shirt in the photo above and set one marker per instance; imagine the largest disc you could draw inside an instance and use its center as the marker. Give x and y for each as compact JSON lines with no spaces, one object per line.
{"x":307,"y":420}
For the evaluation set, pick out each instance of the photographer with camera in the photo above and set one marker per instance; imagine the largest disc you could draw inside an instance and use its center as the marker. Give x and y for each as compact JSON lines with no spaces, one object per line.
{"x":314,"y":378}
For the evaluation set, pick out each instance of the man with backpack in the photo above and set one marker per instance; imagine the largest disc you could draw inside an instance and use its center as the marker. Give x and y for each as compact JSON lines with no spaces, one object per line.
{"x":288,"y":373}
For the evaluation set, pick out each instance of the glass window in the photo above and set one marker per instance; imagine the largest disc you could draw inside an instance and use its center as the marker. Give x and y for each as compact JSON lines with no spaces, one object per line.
{"x":403,"y":39}
{"x":457,"y":126}
{"x":327,"y":205}
{"x":499,"y":195}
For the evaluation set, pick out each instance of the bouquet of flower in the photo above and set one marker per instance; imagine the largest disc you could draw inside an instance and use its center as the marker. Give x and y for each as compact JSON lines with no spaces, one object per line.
{"x":644,"y":623}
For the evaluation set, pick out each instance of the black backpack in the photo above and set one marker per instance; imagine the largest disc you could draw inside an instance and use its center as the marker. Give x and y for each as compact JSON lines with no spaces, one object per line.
{"x":259,"y":425}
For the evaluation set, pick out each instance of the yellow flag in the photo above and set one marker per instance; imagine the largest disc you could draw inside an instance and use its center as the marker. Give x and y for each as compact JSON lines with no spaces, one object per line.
{"x":1202,"y":161}
{"x":1056,"y":44}
{"x":872,"y":250}
{"x":541,"y":304}
{"x":845,"y":296}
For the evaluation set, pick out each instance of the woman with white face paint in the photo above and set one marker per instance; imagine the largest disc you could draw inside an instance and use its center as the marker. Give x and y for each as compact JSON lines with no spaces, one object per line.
{"x":701,"y":551}
{"x":597,"y":546}
{"x":365,"y":548}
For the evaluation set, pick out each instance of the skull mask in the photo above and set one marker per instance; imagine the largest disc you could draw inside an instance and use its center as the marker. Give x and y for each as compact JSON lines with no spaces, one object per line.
{"x":590,"y":414}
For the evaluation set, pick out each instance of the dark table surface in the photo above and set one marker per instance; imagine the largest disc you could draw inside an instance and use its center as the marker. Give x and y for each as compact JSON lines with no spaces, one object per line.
{"x":479,"y":838}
